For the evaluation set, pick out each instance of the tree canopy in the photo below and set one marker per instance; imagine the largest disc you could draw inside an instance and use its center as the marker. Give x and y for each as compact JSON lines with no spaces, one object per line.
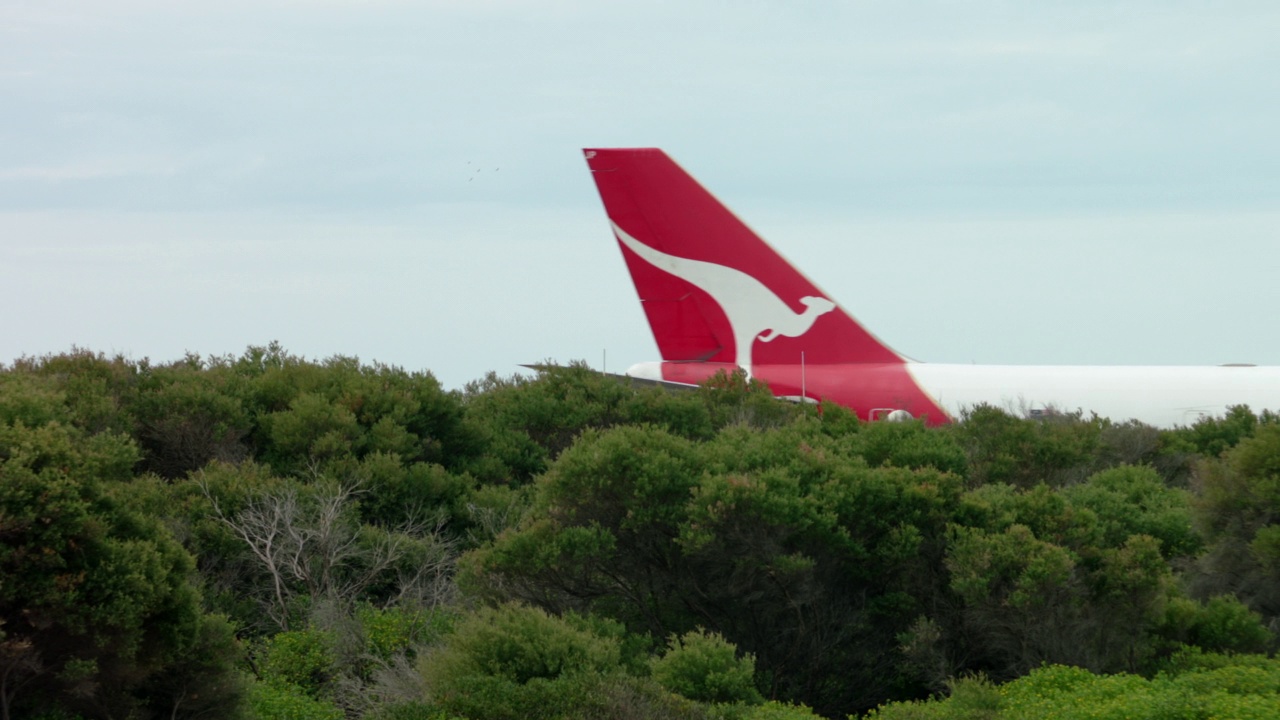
{"x":269,"y":536}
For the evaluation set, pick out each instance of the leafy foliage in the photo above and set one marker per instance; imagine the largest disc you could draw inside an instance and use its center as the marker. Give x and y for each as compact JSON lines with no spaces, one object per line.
{"x":1237,"y":509}
{"x":283,"y":702}
{"x":1005,"y":449}
{"x":512,"y":661}
{"x":670,"y":535}
{"x":158,"y":518}
{"x":95,"y":599}
{"x":702,"y":666}
{"x":1194,"y":686}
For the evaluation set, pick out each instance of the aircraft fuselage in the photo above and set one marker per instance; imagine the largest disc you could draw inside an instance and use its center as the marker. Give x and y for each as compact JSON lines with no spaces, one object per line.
{"x":1159,"y":395}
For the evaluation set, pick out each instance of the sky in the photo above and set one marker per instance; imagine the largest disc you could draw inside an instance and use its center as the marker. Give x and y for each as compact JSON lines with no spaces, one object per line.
{"x":402,"y":182}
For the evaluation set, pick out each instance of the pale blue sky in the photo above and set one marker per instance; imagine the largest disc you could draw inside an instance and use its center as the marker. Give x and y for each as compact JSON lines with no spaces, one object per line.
{"x":402,"y":181}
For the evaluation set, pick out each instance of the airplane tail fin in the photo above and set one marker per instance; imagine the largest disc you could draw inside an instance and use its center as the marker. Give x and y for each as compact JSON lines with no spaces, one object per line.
{"x":712,"y":289}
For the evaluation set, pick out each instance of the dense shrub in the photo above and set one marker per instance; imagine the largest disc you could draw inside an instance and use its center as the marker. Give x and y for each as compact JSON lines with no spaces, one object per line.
{"x":702,"y":666}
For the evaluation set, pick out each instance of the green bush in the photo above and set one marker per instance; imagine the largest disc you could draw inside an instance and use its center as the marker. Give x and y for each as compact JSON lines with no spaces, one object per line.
{"x":1223,"y":623}
{"x":393,"y":631}
{"x":411,"y":711}
{"x":773,"y":710}
{"x":1194,"y":686}
{"x":521,"y":644}
{"x":287,"y":702}
{"x":703,"y":666}
{"x":97,"y":605}
{"x":516,"y":662}
{"x":298,"y":658}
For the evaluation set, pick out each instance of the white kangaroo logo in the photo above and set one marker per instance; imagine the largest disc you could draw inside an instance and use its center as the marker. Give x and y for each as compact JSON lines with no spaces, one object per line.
{"x":753,"y":310}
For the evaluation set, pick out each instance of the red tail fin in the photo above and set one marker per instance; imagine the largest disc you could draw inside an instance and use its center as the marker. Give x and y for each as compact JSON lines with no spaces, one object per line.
{"x":711,"y":288}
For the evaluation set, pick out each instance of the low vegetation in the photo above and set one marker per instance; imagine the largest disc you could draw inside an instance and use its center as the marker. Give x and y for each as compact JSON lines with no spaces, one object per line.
{"x":265,"y":536}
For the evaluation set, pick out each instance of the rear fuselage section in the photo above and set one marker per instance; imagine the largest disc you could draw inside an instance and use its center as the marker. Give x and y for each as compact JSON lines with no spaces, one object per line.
{"x":1163,"y":396}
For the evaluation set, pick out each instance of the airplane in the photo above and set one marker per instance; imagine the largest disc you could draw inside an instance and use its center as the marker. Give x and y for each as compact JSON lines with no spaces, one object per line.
{"x":719,"y":298}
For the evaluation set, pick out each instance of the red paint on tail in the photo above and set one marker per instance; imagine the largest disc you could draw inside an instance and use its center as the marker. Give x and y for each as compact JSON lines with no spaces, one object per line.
{"x":717,"y":295}
{"x":654,"y":200}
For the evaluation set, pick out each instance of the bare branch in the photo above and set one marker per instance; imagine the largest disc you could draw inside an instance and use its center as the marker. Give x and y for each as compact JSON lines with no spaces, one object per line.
{"x":312,"y":544}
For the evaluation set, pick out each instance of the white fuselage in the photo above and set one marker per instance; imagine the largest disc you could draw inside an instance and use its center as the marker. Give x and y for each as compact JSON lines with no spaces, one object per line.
{"x":1163,"y":396}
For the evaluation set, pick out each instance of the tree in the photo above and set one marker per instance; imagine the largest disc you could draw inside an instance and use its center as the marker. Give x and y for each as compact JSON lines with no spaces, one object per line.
{"x":1237,"y":510}
{"x":308,"y":545}
{"x":703,"y":666}
{"x":529,"y":422}
{"x":1006,"y":449}
{"x":1193,"y":685}
{"x":781,"y":540}
{"x":189,"y":413}
{"x":97,"y":607}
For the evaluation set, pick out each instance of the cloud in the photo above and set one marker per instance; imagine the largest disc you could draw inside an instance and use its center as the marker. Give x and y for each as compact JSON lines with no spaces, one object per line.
{"x":96,"y":169}
{"x":202,"y":176}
